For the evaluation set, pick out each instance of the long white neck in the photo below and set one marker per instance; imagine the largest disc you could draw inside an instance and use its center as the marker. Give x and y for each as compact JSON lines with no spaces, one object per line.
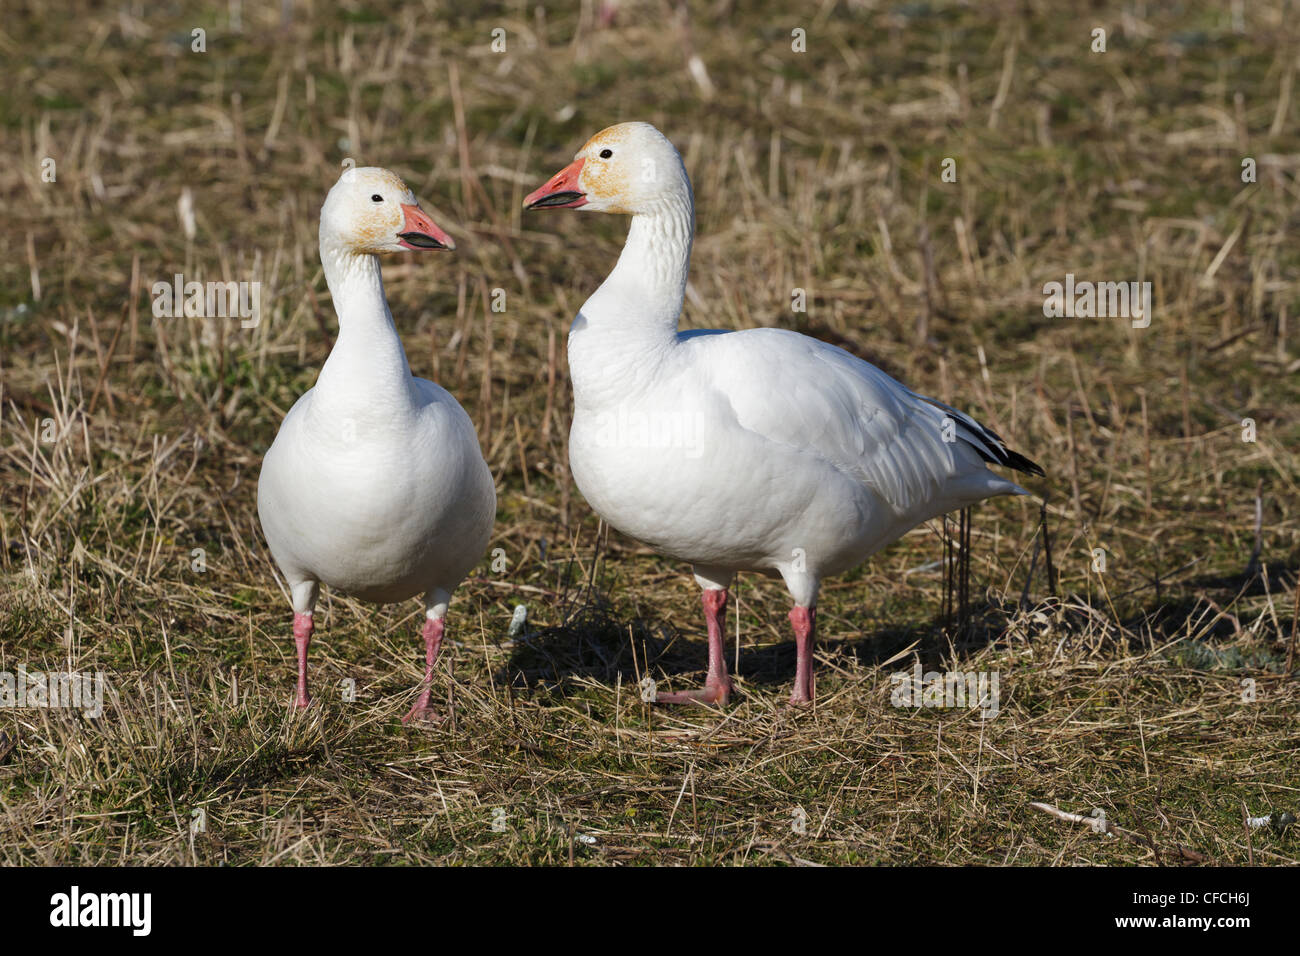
{"x":366,"y":376}
{"x":634,"y":313}
{"x":644,"y":293}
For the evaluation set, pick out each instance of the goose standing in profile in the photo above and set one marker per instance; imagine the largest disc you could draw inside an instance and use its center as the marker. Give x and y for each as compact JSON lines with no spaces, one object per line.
{"x":757,"y":450}
{"x":375,"y":484}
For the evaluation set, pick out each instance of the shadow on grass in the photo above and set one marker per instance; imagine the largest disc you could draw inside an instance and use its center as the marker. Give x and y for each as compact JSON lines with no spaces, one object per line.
{"x":593,"y":642}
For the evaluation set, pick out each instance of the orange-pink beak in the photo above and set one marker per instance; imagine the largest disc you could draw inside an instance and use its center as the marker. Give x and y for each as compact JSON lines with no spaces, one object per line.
{"x":421,"y":232}
{"x":562,"y":192}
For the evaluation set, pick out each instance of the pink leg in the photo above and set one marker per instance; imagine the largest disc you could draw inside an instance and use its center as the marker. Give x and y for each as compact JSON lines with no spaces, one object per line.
{"x":432,"y":641}
{"x":302,"y":628}
{"x":804,"y":620}
{"x":717,"y":686}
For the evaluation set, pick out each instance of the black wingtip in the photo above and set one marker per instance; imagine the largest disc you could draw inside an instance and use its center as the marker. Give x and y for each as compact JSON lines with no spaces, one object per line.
{"x":987,"y":443}
{"x":1019,"y":462}
{"x":999,"y":454}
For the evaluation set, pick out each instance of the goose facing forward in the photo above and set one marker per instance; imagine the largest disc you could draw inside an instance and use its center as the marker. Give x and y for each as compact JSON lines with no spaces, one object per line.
{"x":375,"y":484}
{"x":756,"y":450}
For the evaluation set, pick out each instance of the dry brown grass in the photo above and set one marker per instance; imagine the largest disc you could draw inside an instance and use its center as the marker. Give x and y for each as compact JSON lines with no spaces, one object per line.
{"x":817,"y":170}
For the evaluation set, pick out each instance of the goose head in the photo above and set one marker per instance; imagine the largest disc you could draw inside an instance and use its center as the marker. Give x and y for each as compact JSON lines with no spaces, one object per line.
{"x":630,"y":168}
{"x":371,"y":211}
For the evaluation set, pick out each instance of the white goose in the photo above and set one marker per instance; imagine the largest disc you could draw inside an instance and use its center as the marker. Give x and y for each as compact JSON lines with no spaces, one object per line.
{"x":375,"y":484}
{"x":757,"y":450}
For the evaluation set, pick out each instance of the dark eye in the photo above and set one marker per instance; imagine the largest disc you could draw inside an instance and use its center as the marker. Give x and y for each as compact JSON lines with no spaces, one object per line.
{"x":376,"y":198}
{"x":606,"y":153}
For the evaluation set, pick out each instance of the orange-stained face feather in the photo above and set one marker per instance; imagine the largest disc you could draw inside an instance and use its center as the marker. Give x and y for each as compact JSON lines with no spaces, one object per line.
{"x":607,"y":180}
{"x":376,"y":226}
{"x":373,"y":230}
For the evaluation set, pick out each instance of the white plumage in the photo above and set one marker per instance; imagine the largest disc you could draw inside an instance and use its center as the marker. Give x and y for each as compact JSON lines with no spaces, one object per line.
{"x":375,"y":483}
{"x":757,"y":450}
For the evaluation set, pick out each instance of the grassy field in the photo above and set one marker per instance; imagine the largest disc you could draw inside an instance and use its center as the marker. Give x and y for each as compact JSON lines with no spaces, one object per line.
{"x":130,"y":445}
